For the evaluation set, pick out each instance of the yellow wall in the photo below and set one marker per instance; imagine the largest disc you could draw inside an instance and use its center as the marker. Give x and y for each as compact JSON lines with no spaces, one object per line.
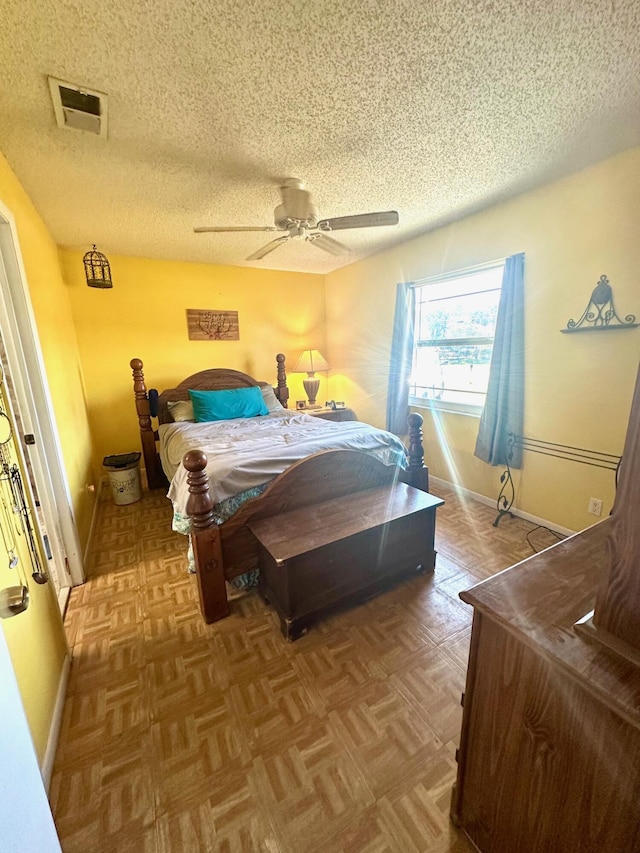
{"x":579,"y":387}
{"x":36,"y":638}
{"x":144,"y":316}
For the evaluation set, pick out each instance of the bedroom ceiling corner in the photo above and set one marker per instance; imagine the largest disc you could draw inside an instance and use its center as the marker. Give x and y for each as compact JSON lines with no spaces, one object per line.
{"x":433,"y":110}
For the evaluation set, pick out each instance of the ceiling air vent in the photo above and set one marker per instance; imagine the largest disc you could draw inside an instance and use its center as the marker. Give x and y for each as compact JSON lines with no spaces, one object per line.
{"x":78,"y":108}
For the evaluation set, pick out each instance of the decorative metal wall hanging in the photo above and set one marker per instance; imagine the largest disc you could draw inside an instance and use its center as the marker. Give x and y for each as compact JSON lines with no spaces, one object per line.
{"x":210,"y":325}
{"x":97,"y":269}
{"x":608,"y":461}
{"x":600,"y":314}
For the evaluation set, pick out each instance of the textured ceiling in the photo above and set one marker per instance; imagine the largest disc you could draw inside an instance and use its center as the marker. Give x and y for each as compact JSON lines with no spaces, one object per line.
{"x":434,"y":109}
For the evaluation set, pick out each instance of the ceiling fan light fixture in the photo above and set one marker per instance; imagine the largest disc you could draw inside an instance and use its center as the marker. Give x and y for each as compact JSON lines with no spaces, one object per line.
{"x":285,"y":216}
{"x":297,"y":216}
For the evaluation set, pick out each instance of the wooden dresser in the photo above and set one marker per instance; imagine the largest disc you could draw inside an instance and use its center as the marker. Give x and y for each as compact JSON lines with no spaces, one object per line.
{"x":549,"y":757}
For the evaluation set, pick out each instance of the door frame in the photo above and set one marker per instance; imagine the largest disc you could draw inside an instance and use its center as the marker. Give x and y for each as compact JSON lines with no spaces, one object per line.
{"x":26,"y":365}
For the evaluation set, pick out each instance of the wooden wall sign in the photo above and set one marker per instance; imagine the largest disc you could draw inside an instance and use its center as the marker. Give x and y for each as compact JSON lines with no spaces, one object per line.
{"x":211,"y":325}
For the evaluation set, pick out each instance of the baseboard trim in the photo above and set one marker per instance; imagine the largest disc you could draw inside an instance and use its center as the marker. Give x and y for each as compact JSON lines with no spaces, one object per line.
{"x":483,"y":499}
{"x":63,"y":599}
{"x":92,"y":526}
{"x":56,"y":721}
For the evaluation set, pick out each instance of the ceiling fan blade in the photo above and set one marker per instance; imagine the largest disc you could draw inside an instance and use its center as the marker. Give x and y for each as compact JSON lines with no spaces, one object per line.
{"x":201,"y":229}
{"x":268,"y":248}
{"x":328,"y":244}
{"x":359,"y":220}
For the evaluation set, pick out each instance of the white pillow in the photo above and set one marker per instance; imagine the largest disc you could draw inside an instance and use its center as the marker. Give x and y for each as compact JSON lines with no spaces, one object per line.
{"x":270,"y":399}
{"x":181,"y":410}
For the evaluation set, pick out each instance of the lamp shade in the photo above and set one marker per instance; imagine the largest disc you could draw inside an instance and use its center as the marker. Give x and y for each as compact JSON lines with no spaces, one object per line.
{"x":310,"y":360}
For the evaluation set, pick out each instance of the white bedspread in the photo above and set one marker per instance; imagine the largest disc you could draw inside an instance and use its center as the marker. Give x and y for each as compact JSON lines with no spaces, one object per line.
{"x":248,"y":452}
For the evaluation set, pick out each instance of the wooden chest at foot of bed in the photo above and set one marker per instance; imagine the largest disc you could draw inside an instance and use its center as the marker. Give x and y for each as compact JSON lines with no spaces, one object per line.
{"x":343,"y":551}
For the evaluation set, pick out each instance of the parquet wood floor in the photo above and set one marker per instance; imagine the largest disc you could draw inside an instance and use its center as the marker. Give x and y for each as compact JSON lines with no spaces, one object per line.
{"x":177,"y":736}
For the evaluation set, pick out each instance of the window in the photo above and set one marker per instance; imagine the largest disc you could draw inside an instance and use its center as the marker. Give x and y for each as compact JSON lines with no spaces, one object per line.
{"x":454,"y":326}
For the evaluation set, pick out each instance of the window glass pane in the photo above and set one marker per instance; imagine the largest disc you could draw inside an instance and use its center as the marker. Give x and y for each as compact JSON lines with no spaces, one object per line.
{"x":454,"y":285}
{"x":467,"y":316}
{"x":448,"y":367}
{"x":457,"y":374}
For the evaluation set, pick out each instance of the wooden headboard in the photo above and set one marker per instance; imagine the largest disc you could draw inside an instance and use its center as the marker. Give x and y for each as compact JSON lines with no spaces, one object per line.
{"x":215,"y":379}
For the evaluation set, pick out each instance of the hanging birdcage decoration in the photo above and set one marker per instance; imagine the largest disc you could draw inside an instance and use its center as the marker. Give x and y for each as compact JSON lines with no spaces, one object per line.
{"x":97,"y":269}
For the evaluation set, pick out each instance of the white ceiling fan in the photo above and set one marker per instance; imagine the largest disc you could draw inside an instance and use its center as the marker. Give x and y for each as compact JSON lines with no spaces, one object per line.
{"x":299,"y":218}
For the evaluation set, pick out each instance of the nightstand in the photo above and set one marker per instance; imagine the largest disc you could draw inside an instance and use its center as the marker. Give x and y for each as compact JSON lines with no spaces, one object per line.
{"x":333,"y":414}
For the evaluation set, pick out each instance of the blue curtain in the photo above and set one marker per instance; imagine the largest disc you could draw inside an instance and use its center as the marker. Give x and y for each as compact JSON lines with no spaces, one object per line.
{"x":504,"y":407}
{"x":401,"y":360}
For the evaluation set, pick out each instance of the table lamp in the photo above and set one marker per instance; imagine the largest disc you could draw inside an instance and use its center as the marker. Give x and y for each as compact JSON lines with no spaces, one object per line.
{"x":310,"y":361}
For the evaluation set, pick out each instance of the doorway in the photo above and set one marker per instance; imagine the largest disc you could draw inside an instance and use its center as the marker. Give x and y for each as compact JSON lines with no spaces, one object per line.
{"x":26,"y":822}
{"x":33,"y":411}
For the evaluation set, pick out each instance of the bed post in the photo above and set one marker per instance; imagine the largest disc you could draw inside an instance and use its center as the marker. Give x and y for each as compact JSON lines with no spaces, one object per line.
{"x":283,"y":392}
{"x":205,"y":538}
{"x":418,"y":472}
{"x":153,"y":468}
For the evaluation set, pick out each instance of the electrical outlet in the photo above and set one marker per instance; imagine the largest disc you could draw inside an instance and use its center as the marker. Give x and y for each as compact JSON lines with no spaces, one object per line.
{"x":595,"y":506}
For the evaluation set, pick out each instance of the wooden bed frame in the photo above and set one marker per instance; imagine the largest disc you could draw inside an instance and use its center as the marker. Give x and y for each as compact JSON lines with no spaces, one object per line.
{"x":216,"y":379}
{"x":222,"y":552}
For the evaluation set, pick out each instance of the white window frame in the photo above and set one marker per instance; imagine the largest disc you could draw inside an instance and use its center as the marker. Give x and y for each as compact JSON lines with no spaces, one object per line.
{"x":439,"y":405}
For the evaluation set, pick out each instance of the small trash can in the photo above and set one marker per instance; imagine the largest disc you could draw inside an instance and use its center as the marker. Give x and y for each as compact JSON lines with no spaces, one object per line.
{"x":124,"y":477}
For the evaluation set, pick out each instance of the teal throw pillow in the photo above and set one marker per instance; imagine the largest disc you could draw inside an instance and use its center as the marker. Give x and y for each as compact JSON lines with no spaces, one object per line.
{"x":226,"y":405}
